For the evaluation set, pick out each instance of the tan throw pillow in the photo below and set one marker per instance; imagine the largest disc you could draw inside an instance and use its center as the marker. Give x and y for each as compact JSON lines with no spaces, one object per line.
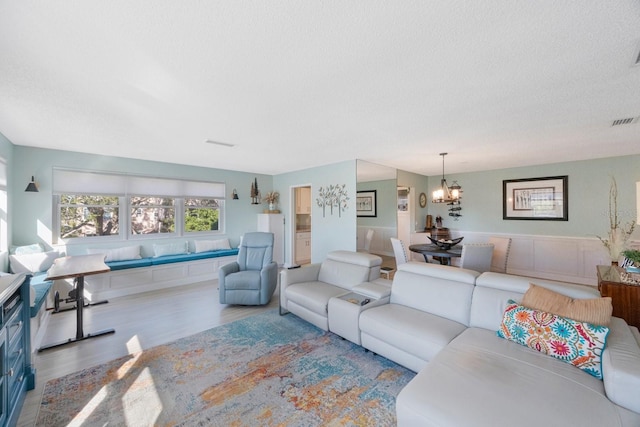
{"x":596,"y":311}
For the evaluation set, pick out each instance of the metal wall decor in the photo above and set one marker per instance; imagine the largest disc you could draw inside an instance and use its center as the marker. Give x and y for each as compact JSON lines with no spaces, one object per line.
{"x":333,"y":196}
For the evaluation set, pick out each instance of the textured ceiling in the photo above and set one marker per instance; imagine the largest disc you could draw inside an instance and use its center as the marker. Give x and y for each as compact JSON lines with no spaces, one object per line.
{"x":298,"y":84}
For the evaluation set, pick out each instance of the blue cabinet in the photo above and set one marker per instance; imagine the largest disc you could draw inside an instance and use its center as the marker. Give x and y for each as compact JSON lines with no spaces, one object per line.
{"x":18,"y":375}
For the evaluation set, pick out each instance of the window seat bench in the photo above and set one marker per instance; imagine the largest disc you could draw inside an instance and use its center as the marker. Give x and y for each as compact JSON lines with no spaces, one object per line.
{"x":40,"y":295}
{"x":152,"y":273}
{"x":169,"y":259}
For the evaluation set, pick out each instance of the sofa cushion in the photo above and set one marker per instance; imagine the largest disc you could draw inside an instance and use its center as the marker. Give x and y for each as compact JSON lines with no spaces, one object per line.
{"x":621,"y":365}
{"x":578,"y":343}
{"x":441,"y":290}
{"x":413,"y":331}
{"x":593,"y":310}
{"x":481,"y":380}
{"x":314,"y":296}
{"x":342,"y":274}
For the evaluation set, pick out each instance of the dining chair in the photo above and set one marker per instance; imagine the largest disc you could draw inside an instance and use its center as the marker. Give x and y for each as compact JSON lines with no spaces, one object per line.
{"x":399,"y":251}
{"x":501,"y":249}
{"x":367,"y":240}
{"x":477,"y":256}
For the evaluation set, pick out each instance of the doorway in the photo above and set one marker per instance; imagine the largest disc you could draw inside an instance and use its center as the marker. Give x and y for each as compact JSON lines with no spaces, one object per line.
{"x":302,"y":225}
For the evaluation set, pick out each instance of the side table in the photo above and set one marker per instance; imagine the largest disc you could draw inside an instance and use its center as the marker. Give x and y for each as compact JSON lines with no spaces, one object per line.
{"x":624,"y":297}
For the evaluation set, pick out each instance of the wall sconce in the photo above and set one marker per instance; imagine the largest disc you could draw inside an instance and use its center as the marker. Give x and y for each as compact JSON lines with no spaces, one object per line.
{"x":235,"y":194}
{"x":32,"y":186}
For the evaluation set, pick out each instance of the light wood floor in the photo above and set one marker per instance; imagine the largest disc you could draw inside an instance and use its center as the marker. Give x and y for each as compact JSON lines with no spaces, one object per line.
{"x":141,"y":321}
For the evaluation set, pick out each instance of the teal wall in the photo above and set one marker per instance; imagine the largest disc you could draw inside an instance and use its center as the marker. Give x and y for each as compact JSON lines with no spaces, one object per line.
{"x":328,"y":232}
{"x":386,"y":201}
{"x":30,"y":214}
{"x":589,"y":182}
{"x":32,"y":220}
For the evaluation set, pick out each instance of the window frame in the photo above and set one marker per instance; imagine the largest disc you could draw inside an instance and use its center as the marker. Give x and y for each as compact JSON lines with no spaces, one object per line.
{"x":130,"y":208}
{"x":221,"y":223}
{"x":195,"y":190}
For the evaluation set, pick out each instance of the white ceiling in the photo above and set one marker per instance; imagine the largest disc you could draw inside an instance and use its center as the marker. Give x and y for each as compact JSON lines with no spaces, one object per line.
{"x":297,"y":84}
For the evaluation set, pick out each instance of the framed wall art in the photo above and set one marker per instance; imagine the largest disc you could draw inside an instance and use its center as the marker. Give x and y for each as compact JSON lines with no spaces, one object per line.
{"x":536,"y":198}
{"x":366,"y":204}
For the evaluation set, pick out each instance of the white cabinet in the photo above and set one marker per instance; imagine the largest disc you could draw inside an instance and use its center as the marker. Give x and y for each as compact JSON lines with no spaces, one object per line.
{"x":303,"y":200}
{"x":274,"y":223}
{"x":303,"y":248}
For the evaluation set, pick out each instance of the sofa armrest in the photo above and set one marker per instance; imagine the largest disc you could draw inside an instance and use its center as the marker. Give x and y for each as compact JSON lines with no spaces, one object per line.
{"x":307,"y":273}
{"x":373,"y":289}
{"x":621,"y":366}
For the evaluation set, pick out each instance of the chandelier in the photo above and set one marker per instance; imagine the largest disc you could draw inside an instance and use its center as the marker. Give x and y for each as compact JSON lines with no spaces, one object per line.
{"x":446,"y":194}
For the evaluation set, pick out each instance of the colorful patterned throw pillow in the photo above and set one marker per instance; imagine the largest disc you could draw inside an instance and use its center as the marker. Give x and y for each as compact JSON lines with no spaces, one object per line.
{"x":578,"y":343}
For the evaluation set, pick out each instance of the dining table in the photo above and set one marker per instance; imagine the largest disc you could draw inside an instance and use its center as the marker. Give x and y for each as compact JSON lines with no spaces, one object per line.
{"x":444,"y":255}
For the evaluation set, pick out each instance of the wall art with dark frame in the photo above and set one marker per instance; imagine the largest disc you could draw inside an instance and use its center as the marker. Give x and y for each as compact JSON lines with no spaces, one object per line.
{"x":543,"y":199}
{"x":366,"y":204}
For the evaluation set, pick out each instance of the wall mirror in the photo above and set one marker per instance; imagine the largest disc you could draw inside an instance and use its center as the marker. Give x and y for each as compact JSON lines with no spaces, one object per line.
{"x":383,"y":180}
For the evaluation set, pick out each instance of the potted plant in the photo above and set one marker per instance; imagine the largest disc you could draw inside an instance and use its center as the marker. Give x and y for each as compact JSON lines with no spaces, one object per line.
{"x":271,"y":199}
{"x":618,"y":235}
{"x":631,"y":259}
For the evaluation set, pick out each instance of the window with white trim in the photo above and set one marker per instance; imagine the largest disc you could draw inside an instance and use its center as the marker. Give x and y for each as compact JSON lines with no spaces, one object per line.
{"x":152,"y":215}
{"x":89,"y":204}
{"x":201,"y":215}
{"x":86,"y":215}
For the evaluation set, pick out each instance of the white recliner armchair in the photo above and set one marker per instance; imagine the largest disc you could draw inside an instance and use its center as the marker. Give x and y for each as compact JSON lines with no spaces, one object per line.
{"x":306,"y":291}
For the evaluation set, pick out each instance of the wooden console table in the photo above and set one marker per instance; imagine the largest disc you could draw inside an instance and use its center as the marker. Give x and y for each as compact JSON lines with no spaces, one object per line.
{"x":624,"y":297}
{"x":77,"y":267}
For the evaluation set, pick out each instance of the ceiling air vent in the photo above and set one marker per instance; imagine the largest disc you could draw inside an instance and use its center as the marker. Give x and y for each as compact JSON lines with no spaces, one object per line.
{"x":626,"y":121}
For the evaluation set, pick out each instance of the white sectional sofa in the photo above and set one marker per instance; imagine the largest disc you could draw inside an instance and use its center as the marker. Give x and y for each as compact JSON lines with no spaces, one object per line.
{"x":441,"y":322}
{"x":306,"y":291}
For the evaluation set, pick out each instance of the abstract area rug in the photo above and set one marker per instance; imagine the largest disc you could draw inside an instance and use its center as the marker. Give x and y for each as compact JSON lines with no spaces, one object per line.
{"x":265,"y":370}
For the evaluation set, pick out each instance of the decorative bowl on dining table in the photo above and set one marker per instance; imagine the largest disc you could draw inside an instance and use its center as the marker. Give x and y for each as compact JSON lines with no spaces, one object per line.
{"x":446,"y":243}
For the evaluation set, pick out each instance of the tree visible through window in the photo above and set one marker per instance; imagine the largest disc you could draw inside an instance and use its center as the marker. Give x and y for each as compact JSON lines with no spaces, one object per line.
{"x":151,"y":215}
{"x":201,"y":215}
{"x":86,"y":215}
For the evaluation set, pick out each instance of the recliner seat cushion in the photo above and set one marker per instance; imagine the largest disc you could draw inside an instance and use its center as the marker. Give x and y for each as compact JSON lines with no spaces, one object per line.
{"x":314,"y":296}
{"x":247,"y":279}
{"x":413,"y":331}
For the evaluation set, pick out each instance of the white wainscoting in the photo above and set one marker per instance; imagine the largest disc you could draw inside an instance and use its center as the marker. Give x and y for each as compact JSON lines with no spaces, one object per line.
{"x":567,"y":259}
{"x":380,"y":244}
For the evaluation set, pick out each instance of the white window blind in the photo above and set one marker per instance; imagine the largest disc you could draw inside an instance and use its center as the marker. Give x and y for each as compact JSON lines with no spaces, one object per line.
{"x":83,"y":182}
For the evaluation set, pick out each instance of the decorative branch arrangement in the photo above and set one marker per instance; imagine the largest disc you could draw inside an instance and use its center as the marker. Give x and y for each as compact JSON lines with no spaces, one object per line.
{"x":618,"y":235}
{"x":255,"y":192}
{"x":333,"y":196}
